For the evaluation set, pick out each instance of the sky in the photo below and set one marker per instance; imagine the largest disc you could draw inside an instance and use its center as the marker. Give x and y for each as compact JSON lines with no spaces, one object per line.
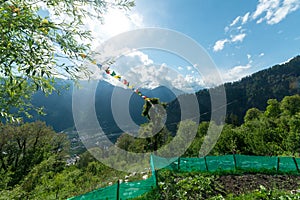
{"x":241,"y":37}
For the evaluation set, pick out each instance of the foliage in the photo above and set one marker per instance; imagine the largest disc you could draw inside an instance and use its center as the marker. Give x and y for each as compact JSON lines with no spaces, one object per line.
{"x":149,"y":140}
{"x":32,"y":162}
{"x":252,"y":91}
{"x":274,"y":131}
{"x":23,"y":147}
{"x":183,"y":186}
{"x":35,"y":49}
{"x":33,"y":165}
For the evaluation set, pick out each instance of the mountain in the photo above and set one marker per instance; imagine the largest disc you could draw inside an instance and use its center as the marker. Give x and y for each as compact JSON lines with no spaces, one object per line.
{"x":251,"y":91}
{"x":58,"y":107}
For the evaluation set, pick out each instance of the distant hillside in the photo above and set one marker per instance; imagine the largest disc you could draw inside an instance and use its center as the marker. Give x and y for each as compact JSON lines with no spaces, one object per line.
{"x":58,"y":107}
{"x":251,"y":91}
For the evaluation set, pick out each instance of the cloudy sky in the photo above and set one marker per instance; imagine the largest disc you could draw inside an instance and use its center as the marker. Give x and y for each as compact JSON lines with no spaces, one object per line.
{"x":241,"y":37}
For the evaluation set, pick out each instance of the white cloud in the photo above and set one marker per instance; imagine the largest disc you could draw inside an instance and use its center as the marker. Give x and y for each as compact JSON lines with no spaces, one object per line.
{"x":238,"y":38}
{"x":142,"y":72}
{"x":189,"y":68}
{"x":265,"y":6}
{"x":288,"y":7}
{"x":235,"y":21}
{"x":274,"y":11}
{"x":236,"y":73}
{"x":245,"y":18}
{"x":261,"y":55}
{"x":226,"y":29}
{"x":269,"y":11}
{"x":219,"y":45}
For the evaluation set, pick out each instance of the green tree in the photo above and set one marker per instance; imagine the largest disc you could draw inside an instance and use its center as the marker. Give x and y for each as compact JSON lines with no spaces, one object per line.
{"x":194,"y":148}
{"x":290,"y":105}
{"x":273,"y":109}
{"x":23,"y":147}
{"x":292,"y":141}
{"x":229,"y":142}
{"x":251,"y":114}
{"x":125,"y":141}
{"x":34,"y":49}
{"x":150,"y":139}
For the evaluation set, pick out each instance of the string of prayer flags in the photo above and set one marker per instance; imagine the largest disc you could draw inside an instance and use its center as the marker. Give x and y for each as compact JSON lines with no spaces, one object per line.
{"x":118,"y":77}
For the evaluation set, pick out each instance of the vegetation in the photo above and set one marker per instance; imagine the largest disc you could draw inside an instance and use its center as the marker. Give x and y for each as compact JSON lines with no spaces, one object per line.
{"x":35,"y":49}
{"x":37,"y":163}
{"x":33,"y":165}
{"x":196,"y":186}
{"x":250,"y":92}
{"x":33,"y":158}
{"x":274,"y":131}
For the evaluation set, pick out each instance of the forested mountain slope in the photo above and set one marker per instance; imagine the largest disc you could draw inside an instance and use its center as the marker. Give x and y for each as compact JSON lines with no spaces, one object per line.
{"x":251,"y":91}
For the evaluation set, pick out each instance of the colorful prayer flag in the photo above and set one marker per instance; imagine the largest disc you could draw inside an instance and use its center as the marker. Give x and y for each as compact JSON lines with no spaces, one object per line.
{"x":113,"y":73}
{"x":82,"y":55}
{"x":117,"y":77}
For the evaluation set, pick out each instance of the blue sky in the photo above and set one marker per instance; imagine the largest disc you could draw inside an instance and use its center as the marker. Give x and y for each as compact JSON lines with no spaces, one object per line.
{"x":264,"y":44}
{"x":241,"y":37}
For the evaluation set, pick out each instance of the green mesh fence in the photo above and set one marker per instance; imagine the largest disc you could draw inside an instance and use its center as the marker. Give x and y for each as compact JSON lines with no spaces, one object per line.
{"x":218,"y":163}
{"x":192,"y":164}
{"x":287,"y":164}
{"x":256,"y":162}
{"x":109,"y":192}
{"x":206,"y":164}
{"x":121,"y":191}
{"x":230,"y":163}
{"x":298,"y":163}
{"x":166,"y":163}
{"x":137,"y":188}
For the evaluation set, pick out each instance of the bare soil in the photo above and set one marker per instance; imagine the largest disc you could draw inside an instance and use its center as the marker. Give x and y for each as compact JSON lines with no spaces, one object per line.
{"x":240,"y":184}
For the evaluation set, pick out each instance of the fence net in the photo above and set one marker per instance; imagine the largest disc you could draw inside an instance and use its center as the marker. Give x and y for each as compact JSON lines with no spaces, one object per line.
{"x":120,"y":191}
